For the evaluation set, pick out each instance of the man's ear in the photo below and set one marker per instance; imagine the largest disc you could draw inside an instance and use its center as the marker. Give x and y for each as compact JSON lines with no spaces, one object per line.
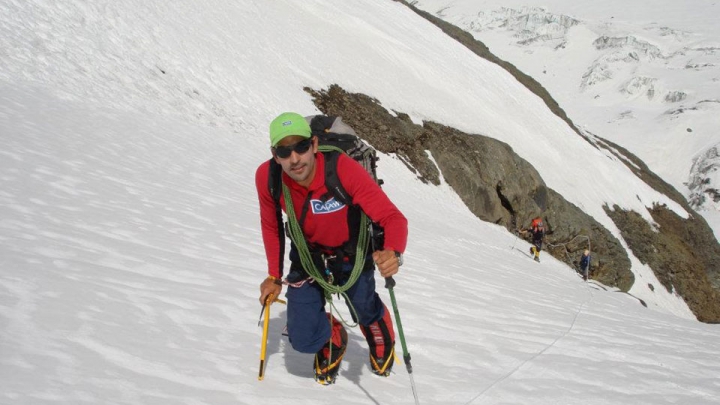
{"x":315,"y":143}
{"x":274,"y":156}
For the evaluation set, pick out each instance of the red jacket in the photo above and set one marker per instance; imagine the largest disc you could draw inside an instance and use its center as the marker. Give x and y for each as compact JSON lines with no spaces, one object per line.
{"x":326,"y":223}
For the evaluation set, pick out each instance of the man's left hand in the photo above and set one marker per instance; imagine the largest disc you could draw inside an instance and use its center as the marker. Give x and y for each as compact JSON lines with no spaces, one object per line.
{"x":386,"y":262}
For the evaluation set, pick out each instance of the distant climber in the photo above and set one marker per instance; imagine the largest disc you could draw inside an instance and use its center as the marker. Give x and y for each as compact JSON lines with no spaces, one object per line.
{"x":585,"y":264}
{"x":537,"y":230}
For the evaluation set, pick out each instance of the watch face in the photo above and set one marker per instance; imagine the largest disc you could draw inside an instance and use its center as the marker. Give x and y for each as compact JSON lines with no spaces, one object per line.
{"x":400,"y":258}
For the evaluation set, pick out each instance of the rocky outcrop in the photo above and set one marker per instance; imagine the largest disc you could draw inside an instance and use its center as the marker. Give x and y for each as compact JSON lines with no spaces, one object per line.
{"x":682,"y":253}
{"x":495,"y":183}
{"x":500,"y":187}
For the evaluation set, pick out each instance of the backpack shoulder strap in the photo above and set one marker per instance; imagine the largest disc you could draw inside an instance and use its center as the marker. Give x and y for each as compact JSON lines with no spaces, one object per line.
{"x":336,"y":189}
{"x":275,"y":188}
{"x":275,"y":180}
{"x":332,"y":181}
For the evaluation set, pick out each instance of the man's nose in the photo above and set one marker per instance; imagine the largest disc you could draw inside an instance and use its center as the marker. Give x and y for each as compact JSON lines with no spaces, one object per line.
{"x":294,"y":157}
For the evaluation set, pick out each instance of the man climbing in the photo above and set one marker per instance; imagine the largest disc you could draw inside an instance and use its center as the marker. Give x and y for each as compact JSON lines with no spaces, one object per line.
{"x":537,"y":230}
{"x":324,"y":248}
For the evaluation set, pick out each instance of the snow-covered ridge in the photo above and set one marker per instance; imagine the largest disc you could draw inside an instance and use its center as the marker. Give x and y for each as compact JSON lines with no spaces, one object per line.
{"x":629,"y":78}
{"x":704,"y":178}
{"x":535,"y":25}
{"x":636,"y":45}
{"x":529,"y":24}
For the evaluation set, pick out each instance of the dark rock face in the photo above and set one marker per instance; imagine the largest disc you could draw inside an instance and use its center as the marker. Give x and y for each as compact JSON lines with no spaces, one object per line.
{"x":496,"y":184}
{"x":692,"y":242}
{"x":681,"y":252}
{"x":575,"y":231}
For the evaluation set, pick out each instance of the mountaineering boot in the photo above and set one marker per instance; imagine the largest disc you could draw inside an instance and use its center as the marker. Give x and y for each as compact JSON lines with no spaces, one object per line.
{"x":535,"y":252}
{"x":328,"y":359}
{"x":380,"y":337}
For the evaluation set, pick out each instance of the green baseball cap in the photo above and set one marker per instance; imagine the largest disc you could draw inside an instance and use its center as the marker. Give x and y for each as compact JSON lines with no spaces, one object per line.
{"x":287,"y":124}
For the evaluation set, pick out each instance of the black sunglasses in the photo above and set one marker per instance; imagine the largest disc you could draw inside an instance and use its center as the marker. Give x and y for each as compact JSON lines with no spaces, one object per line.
{"x":284,"y":152}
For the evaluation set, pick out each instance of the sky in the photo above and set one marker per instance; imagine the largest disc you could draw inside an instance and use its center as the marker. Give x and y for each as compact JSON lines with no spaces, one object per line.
{"x":131,"y":254}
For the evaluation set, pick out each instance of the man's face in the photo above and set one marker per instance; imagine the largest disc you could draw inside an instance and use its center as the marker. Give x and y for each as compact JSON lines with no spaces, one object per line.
{"x":300,"y":162}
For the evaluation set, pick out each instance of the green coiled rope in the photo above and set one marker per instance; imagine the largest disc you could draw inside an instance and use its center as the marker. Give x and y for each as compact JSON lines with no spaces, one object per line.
{"x":296,"y":235}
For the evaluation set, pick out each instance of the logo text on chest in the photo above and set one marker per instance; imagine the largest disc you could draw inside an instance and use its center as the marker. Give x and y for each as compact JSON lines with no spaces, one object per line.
{"x":327,"y":207}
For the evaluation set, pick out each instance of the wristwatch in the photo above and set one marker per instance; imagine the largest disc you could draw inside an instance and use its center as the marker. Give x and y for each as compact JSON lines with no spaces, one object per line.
{"x":399,"y":257}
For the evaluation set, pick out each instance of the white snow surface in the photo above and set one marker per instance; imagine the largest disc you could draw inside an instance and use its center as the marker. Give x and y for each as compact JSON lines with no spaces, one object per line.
{"x":130,"y":249}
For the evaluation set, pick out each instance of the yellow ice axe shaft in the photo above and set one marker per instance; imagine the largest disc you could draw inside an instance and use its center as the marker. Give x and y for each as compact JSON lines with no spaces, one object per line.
{"x":263,"y":347}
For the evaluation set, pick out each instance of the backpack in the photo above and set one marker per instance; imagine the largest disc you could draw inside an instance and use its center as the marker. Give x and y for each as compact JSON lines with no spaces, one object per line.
{"x":334,"y":137}
{"x":537,"y":223}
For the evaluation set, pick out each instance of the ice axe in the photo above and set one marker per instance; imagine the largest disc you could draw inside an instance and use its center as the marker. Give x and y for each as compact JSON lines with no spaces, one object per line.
{"x":263,"y":348}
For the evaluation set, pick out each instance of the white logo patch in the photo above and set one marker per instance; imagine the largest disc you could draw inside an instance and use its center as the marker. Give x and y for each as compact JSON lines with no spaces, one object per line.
{"x":331,"y":205}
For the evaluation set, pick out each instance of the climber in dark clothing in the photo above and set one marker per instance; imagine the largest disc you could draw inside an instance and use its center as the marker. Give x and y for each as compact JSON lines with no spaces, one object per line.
{"x":537,"y":230}
{"x":585,"y":264}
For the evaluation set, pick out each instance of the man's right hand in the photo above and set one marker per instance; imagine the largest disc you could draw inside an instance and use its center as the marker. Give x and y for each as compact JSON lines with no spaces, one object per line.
{"x":267,"y":287}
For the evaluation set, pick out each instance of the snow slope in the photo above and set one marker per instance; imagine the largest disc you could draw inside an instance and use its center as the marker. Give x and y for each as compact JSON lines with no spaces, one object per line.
{"x":129,"y":231}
